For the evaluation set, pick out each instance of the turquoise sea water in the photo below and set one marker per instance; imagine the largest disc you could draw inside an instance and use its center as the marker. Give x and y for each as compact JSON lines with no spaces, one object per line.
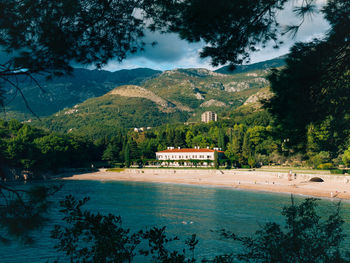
{"x":184,"y":209}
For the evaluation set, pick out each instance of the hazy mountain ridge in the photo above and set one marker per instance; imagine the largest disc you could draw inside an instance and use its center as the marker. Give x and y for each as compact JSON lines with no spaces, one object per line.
{"x":264,"y":65}
{"x":67,"y":91}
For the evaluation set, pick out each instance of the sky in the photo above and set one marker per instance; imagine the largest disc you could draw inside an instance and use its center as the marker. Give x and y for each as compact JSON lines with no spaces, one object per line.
{"x":172,"y":52}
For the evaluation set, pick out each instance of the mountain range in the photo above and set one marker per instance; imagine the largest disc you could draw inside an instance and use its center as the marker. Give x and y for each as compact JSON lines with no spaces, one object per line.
{"x":62,"y":92}
{"x":179,"y":95}
{"x":96,"y":102}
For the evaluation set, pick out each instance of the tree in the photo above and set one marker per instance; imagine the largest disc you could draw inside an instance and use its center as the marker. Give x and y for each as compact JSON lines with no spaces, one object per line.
{"x":346,"y":158}
{"x":231,"y":154}
{"x":133,"y":149}
{"x":234,"y":147}
{"x":49,"y":35}
{"x":247,"y":150}
{"x":221,"y":139}
{"x":179,"y":138}
{"x":94,"y":32}
{"x":189,"y":137}
{"x":127,"y":155}
{"x":303,"y":238}
{"x":251,"y":161}
{"x":88,"y":237}
{"x":216,"y":160}
{"x":110,"y":153}
{"x":314,"y":85}
{"x":236,"y":27}
{"x":23,"y":211}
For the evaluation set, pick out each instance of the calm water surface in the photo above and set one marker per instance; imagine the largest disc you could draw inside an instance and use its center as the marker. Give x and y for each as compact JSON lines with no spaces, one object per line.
{"x":183,"y":209}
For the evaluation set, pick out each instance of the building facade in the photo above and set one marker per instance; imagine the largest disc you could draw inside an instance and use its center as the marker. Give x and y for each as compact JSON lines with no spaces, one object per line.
{"x":185,"y":154}
{"x":209,"y":116}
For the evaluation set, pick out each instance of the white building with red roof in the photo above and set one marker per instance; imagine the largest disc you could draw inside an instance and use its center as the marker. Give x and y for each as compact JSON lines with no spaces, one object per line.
{"x":186,"y":154}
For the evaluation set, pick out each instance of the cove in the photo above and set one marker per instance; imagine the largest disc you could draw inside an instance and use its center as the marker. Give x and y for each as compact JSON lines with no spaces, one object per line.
{"x":183,"y":209}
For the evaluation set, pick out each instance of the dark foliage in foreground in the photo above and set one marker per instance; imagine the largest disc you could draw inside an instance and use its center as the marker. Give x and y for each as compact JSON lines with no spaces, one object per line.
{"x":312,"y":91}
{"x":305,"y":237}
{"x":88,"y":237}
{"x":23,"y":211}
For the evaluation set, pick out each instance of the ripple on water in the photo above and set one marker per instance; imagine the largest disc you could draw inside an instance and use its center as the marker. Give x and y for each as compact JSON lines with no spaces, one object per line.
{"x":184,"y":209}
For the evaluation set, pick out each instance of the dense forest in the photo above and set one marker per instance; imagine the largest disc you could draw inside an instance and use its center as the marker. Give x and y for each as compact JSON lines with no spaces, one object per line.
{"x":248,"y":139}
{"x":25,"y":147}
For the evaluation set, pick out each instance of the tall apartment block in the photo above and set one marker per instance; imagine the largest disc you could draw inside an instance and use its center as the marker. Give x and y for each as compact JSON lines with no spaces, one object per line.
{"x":209,"y":116}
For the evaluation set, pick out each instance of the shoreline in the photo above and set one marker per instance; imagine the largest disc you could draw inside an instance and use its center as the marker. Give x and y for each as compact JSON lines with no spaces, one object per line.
{"x":277,"y":182}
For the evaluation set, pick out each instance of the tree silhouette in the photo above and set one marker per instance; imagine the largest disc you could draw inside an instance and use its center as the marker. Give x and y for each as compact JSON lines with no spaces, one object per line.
{"x":313,"y":88}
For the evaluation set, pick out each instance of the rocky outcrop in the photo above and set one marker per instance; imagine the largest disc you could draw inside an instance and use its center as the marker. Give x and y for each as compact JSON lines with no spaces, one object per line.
{"x":214,"y":103}
{"x":263,"y":94}
{"x":140,"y":92}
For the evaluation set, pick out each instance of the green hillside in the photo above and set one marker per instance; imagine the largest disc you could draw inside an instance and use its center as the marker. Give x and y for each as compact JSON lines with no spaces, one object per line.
{"x":102,"y":116}
{"x":173,"y":96}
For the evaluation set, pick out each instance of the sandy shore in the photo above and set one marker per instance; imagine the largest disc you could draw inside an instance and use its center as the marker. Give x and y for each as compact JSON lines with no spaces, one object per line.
{"x":333,"y":186}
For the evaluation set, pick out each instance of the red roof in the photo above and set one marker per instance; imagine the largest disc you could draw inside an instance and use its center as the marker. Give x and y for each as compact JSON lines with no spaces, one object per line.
{"x":187,"y":150}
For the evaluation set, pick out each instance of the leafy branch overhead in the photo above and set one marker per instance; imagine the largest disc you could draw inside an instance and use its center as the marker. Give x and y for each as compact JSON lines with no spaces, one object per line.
{"x":50,"y":36}
{"x":47,"y":36}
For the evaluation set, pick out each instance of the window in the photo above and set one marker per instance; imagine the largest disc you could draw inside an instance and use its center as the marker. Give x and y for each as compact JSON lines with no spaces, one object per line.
{"x":208,"y":156}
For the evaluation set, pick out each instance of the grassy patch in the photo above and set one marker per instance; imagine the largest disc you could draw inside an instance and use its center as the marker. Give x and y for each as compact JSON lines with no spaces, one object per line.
{"x":117,"y":170}
{"x":338,"y":171}
{"x":282,"y":169}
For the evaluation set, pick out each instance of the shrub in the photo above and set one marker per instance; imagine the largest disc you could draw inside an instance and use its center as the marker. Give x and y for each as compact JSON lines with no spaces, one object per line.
{"x":262,"y":159}
{"x":319,"y":158}
{"x":346,"y":158}
{"x":251,"y":162}
{"x":325,"y":166}
{"x":338,"y":171}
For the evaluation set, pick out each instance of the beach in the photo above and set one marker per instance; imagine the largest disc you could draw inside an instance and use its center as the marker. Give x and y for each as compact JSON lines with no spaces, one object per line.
{"x":333,"y":186}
